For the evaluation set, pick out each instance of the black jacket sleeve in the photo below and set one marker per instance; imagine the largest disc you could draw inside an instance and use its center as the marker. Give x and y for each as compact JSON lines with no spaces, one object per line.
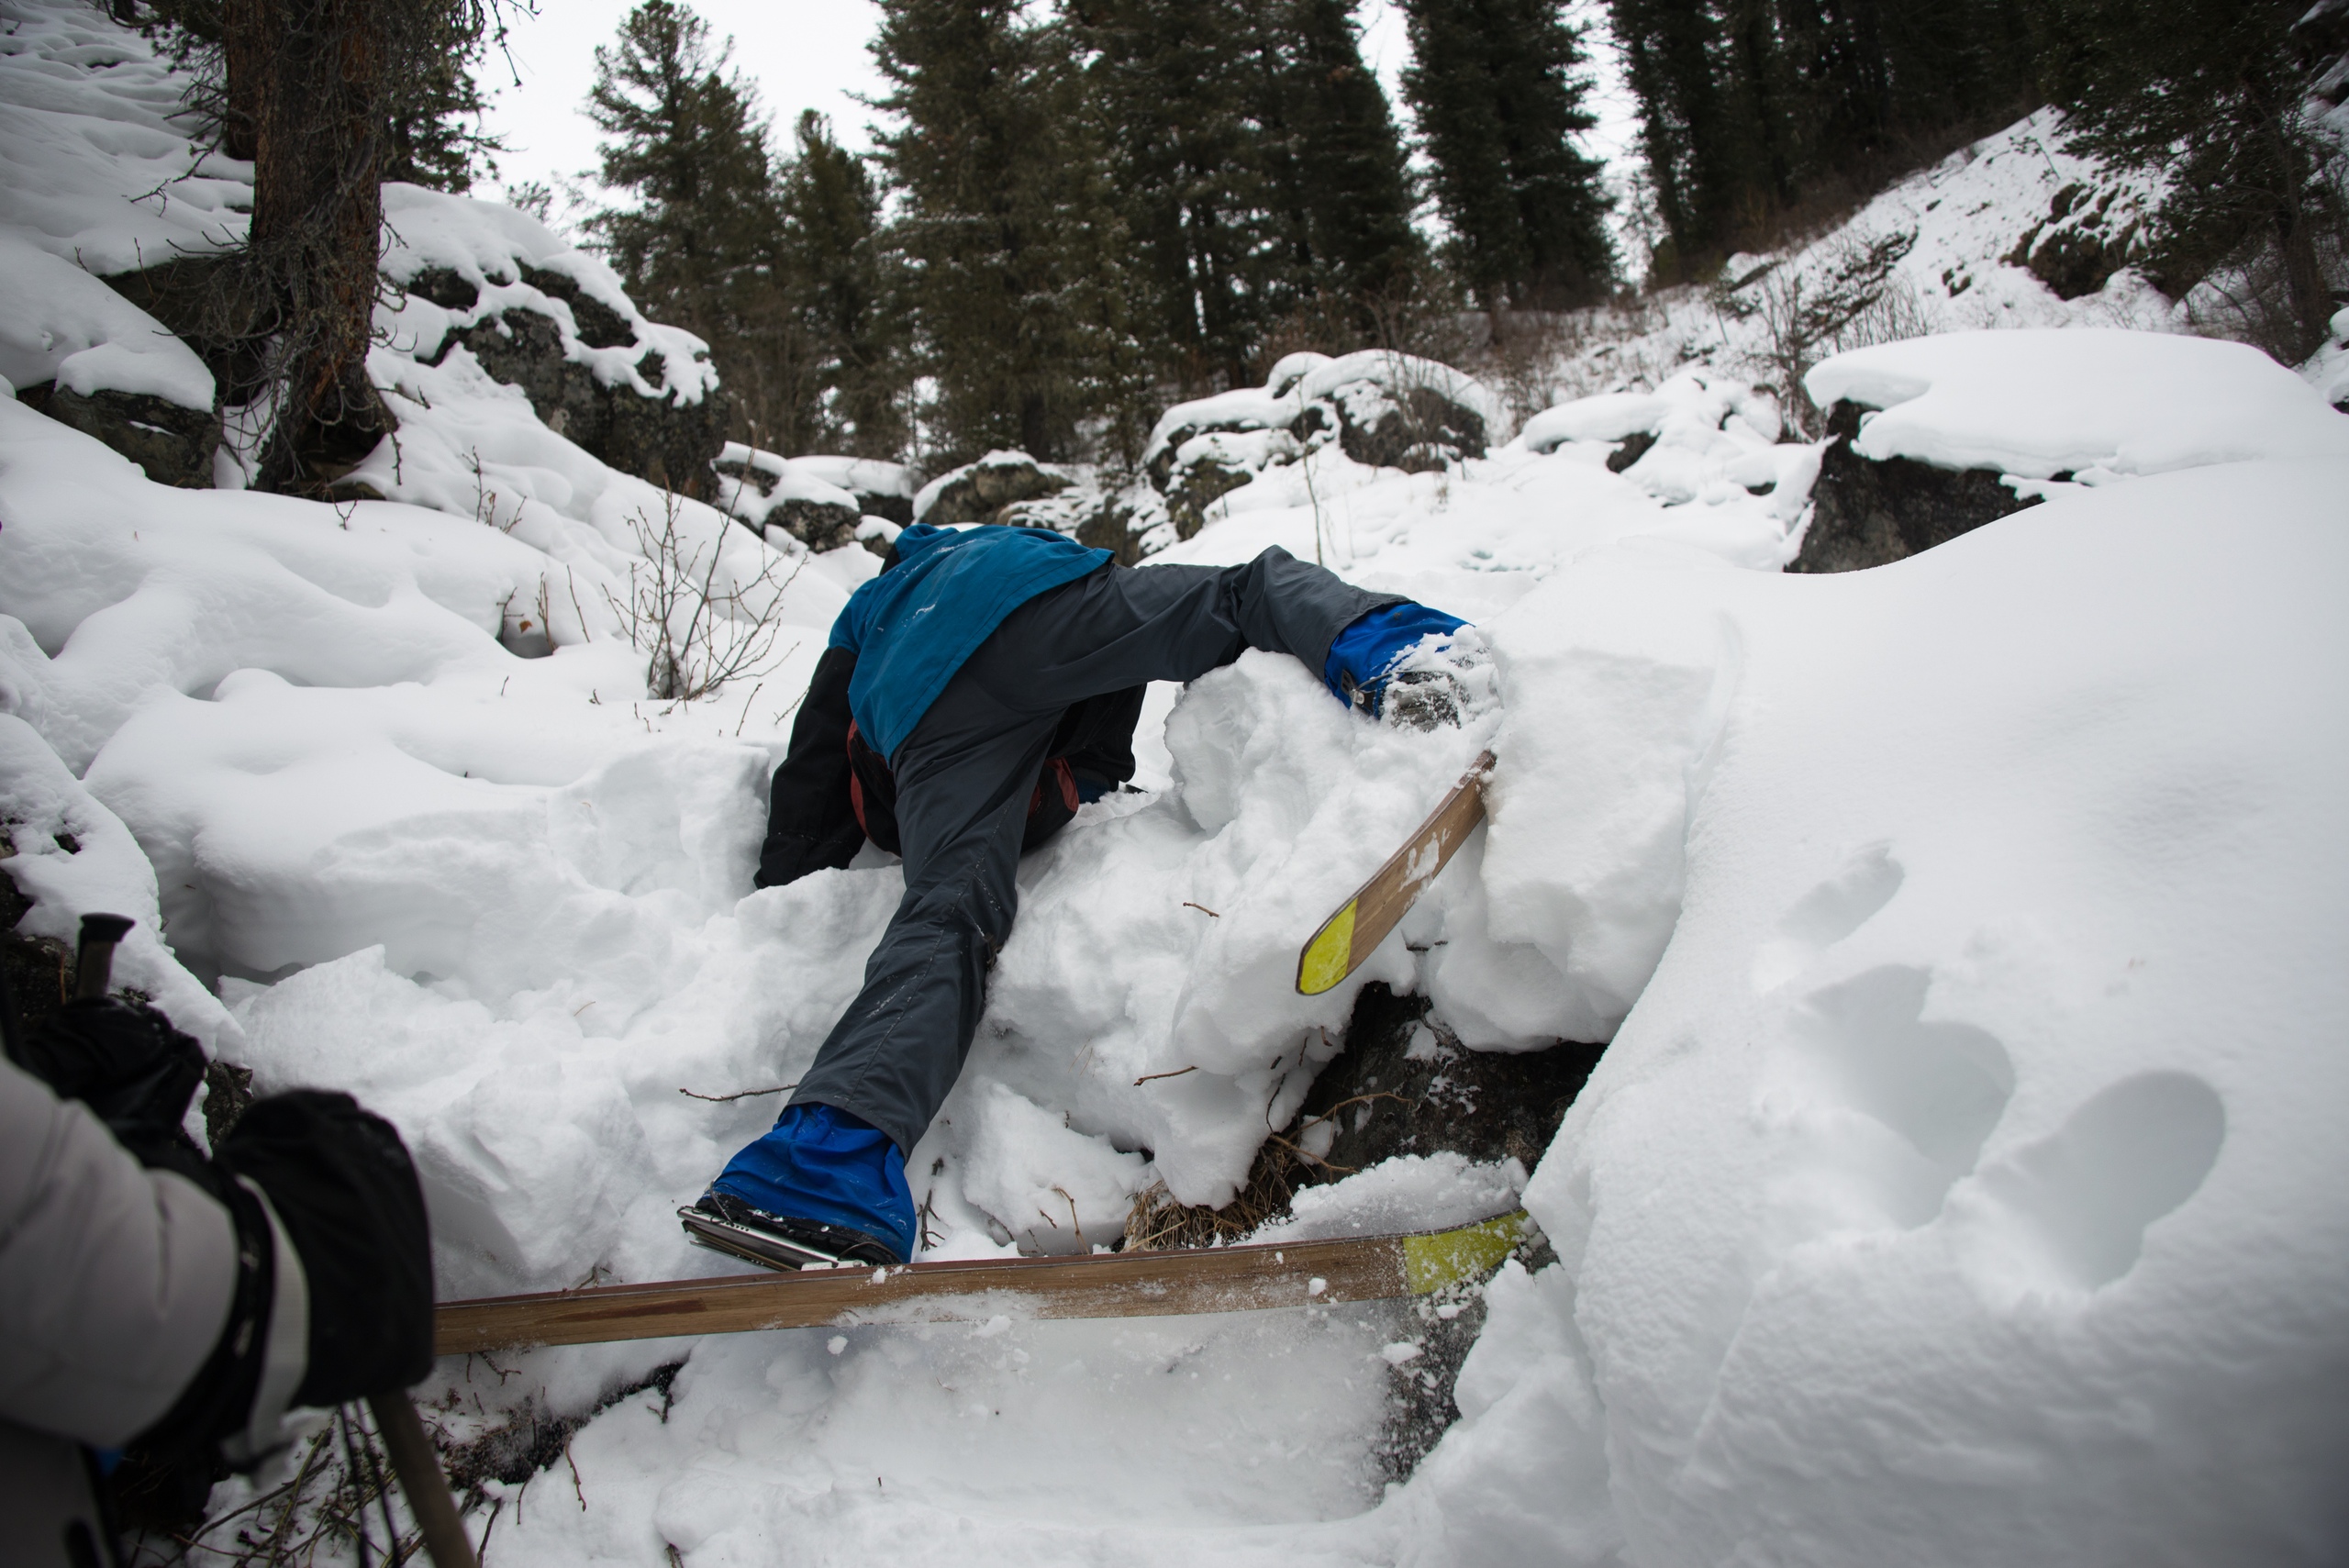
{"x":811,"y":826}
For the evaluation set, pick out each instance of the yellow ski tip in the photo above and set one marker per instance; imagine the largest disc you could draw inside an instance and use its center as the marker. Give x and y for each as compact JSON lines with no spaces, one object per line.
{"x":1329,"y":956}
{"x":1431,"y":1262}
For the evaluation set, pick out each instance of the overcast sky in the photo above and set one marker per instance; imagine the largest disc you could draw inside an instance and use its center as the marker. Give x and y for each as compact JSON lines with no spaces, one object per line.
{"x":801,"y":54}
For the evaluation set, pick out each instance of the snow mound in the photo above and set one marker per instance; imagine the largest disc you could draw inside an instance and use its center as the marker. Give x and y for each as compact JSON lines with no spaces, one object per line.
{"x":1987,"y":1086}
{"x":2097,"y":403}
{"x":95,"y":140}
{"x":58,"y":323}
{"x":1709,"y":435}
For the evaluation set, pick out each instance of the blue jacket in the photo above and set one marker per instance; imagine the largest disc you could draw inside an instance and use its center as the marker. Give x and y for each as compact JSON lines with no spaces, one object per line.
{"x":914,"y":625}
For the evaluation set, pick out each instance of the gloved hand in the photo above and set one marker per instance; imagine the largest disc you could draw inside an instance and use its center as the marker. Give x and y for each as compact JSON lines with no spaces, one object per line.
{"x":126,"y":1061}
{"x":343,"y":1187}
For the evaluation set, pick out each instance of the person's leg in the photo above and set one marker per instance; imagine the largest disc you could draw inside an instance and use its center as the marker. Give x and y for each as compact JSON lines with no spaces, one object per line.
{"x":963,"y":782}
{"x":831,"y":1175}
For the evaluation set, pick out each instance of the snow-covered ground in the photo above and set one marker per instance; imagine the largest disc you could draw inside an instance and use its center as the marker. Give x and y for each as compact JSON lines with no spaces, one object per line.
{"x":1960,"y":1186}
{"x":1932,"y":253}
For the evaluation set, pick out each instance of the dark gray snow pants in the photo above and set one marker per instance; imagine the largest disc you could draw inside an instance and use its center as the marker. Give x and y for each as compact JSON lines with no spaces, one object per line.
{"x":966,"y":772}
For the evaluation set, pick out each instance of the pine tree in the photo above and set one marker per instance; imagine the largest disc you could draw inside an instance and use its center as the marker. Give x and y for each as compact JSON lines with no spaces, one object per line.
{"x":1354,"y":186}
{"x":1496,"y":88}
{"x":837,"y":273}
{"x":437,"y":137}
{"x":1697,"y":142}
{"x":1182,"y":87}
{"x":685,"y":142}
{"x":1013,"y":249}
{"x":2211,"y":93}
{"x":1750,"y":108}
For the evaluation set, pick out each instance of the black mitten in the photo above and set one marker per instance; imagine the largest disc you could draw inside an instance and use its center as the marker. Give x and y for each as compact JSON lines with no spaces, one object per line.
{"x":345,"y":1190}
{"x":126,"y":1061}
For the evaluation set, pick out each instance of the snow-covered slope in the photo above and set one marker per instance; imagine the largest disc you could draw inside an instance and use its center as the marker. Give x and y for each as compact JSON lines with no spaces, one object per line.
{"x":1959,"y":1186}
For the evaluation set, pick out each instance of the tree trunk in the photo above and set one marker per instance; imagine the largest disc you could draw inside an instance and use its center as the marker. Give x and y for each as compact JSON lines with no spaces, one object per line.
{"x":318,"y":218}
{"x":246,"y":28}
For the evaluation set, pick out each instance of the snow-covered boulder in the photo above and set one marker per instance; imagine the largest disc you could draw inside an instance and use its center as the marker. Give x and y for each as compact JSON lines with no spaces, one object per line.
{"x":766,"y":491}
{"x":1699,"y":437}
{"x":1383,"y":410}
{"x":541,"y":315}
{"x":1936,"y":436}
{"x":988,"y":491}
{"x":81,"y":353}
{"x":881,"y":489}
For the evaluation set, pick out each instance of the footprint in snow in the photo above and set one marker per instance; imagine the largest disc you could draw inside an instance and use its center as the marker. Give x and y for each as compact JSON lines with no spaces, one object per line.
{"x":2066,"y":1216}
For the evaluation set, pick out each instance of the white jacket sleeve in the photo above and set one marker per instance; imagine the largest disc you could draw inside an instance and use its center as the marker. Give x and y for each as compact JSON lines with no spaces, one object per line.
{"x":115,"y":1281}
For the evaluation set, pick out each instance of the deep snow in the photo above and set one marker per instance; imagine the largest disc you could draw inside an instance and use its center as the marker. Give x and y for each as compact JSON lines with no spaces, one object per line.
{"x":1960,"y":1185}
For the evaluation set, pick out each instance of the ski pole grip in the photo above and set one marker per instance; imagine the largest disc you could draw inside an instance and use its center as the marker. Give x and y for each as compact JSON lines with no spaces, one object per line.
{"x":94,"y":964}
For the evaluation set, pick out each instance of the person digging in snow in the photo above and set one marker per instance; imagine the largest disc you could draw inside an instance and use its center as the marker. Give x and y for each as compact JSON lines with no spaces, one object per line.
{"x":972,"y":696}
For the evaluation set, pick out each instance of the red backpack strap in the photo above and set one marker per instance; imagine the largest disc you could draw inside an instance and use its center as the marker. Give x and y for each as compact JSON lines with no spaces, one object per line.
{"x":855,"y":789}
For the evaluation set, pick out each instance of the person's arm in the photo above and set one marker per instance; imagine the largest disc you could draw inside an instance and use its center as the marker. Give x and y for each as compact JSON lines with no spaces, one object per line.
{"x":149,"y":1292}
{"x":812,"y":824}
{"x":117,"y":1282}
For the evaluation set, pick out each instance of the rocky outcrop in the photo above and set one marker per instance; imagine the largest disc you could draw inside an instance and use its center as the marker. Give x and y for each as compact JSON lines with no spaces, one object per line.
{"x":769,"y":492}
{"x":1386,"y":410}
{"x":172,"y":444}
{"x":881,"y":488}
{"x":2086,"y":238}
{"x":1868,"y":513}
{"x":1209,"y":466}
{"x":664,"y":437}
{"x":1398,"y":418}
{"x":988,"y":490}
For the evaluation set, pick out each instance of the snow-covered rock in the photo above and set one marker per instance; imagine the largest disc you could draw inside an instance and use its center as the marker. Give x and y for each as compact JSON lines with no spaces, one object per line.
{"x":1935,"y":436}
{"x":1385,"y":410}
{"x":762,"y":489}
{"x":988,"y":491}
{"x":536,"y":313}
{"x":2094,"y":403}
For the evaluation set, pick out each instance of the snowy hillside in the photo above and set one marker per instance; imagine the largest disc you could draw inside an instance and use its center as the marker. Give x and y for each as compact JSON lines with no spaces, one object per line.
{"x":1960,"y":1185}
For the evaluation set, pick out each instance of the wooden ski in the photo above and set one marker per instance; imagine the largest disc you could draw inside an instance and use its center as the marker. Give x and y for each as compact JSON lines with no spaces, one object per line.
{"x":1111,"y":1284}
{"x":1347,"y":937}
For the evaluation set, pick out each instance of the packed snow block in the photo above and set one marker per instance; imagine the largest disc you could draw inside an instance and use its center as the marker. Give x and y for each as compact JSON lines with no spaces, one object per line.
{"x":1870,"y":513}
{"x":1968,"y":1167}
{"x":987,"y":490}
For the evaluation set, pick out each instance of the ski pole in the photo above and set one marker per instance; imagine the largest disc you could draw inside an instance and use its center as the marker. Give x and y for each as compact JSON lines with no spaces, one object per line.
{"x":413,"y":1461}
{"x":419,"y":1468}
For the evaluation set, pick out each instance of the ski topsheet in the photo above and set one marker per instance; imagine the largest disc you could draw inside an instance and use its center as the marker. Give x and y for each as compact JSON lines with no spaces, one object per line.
{"x":1347,"y":937}
{"x":1112,"y":1284}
